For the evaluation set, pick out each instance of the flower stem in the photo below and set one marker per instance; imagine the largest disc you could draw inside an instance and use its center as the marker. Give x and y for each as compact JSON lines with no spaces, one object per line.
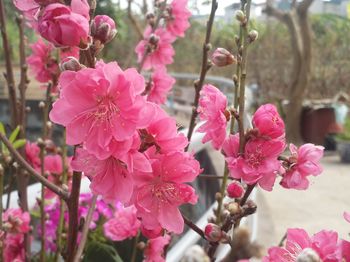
{"x":42,"y":206}
{"x":134,"y":250}
{"x":194,"y":227}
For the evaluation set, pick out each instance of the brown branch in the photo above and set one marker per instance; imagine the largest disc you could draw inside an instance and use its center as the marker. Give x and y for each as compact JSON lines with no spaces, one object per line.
{"x":204,"y":69}
{"x":304,"y":6}
{"x":133,"y":21}
{"x":57,"y":190}
{"x":194,"y":227}
{"x":280,"y":244}
{"x":272,"y":11}
{"x":9,"y":69}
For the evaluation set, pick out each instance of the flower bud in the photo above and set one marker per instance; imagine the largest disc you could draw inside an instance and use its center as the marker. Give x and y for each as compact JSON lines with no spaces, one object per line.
{"x":213,"y":233}
{"x":235,"y":190}
{"x":103,"y":28}
{"x":240,"y":16}
{"x":252,"y":36}
{"x":70,"y":63}
{"x":222,"y":57}
{"x":233,"y":208}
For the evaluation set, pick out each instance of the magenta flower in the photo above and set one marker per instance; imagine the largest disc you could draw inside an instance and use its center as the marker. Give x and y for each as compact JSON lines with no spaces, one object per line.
{"x":101,"y":105}
{"x":259,"y":164}
{"x":124,"y":224}
{"x":65,"y":26}
{"x":158,"y":46}
{"x":212,"y":110}
{"x":160,"y":85}
{"x":177,"y":22}
{"x":32,"y":154}
{"x":112,"y":178}
{"x":154,"y":251}
{"x":158,"y":195}
{"x":323,"y":246}
{"x":269,"y":122}
{"x":41,"y":62}
{"x":162,"y":132}
{"x":235,"y":190}
{"x":346,"y":250}
{"x":305,"y":162}
{"x":15,"y":221}
{"x":14,"y":250}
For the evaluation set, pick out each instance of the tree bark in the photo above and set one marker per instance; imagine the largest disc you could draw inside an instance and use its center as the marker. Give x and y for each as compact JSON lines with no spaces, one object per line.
{"x":298,"y":26}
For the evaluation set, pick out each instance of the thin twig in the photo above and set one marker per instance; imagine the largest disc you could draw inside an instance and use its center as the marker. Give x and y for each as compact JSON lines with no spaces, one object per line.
{"x":281,"y":243}
{"x":204,"y":69}
{"x":59,"y":191}
{"x":85,"y":231}
{"x":134,"y":249}
{"x":42,"y":205}
{"x":194,"y":227}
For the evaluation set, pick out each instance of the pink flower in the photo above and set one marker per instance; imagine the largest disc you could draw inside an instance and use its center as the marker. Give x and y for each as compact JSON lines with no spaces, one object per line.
{"x":259,"y":164}
{"x":41,"y":62}
{"x":269,"y":122}
{"x":213,"y":232}
{"x":100,"y":106}
{"x":323,"y":246}
{"x":32,"y":154}
{"x":177,"y":22}
{"x":345,"y":250}
{"x":16,"y":221}
{"x":235,"y":190}
{"x":112,"y":178}
{"x":212,"y":109}
{"x":123,"y":225}
{"x":158,"y":47}
{"x":347,"y":216}
{"x":154,"y":251}
{"x":158,"y":195}
{"x":65,"y":26}
{"x":222,"y":57}
{"x":29,"y":8}
{"x":160,"y":85}
{"x":305,"y":162}
{"x":103,"y":28}
{"x":162,"y":132}
{"x":14,"y":248}
{"x":70,"y":51}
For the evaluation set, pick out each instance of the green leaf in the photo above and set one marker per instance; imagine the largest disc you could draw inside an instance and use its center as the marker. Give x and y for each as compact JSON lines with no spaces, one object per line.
{"x":2,"y":129}
{"x":14,"y":134}
{"x":96,"y":251}
{"x":19,"y":143}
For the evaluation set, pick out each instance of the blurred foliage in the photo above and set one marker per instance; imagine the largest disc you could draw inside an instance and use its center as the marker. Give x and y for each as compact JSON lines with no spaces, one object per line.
{"x":345,"y":136}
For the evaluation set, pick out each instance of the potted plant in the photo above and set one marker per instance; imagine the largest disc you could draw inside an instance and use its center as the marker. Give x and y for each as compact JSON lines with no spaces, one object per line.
{"x":343,"y":143}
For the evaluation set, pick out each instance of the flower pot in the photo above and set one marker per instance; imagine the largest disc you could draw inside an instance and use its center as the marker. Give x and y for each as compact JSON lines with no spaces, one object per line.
{"x":344,"y":151}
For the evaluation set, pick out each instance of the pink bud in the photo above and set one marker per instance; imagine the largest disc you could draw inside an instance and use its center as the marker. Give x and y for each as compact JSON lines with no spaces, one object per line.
{"x":235,"y":190}
{"x":70,"y":63}
{"x":103,"y":28}
{"x":222,"y":57}
{"x":213,"y":232}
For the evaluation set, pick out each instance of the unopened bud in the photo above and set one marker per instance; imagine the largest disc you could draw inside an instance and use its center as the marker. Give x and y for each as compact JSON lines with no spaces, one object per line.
{"x":252,"y":36}
{"x":41,"y":104}
{"x":240,"y":16}
{"x":15,"y":165}
{"x":141,"y":245}
{"x":70,"y":63}
{"x":235,"y":190}
{"x":49,"y":124}
{"x":222,"y":57}
{"x":40,"y":142}
{"x":28,"y":109}
{"x":218,"y":196}
{"x":151,"y":19}
{"x":233,"y":208}
{"x":103,"y":28}
{"x":1,"y":170}
{"x":213,"y":232}
{"x":249,"y":207}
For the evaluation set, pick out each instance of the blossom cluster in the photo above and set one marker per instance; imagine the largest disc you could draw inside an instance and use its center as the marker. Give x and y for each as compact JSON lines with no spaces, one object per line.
{"x":260,"y":161}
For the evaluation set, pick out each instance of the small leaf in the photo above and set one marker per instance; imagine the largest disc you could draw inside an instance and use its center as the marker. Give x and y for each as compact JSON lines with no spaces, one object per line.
{"x":14,"y":134}
{"x":96,"y":251}
{"x":19,"y":143}
{"x":2,"y":129}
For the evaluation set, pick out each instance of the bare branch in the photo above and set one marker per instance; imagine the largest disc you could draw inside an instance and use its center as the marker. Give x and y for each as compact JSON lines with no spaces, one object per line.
{"x":274,"y":12}
{"x":304,"y":6}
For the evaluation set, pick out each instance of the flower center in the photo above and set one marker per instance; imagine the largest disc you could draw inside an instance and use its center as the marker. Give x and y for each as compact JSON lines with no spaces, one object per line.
{"x":106,"y":110}
{"x":308,"y":255}
{"x":256,"y":158}
{"x":165,"y":192}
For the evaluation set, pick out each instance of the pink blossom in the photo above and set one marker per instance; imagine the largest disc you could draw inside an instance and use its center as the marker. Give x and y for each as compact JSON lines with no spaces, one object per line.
{"x":305,"y":162}
{"x":103,"y":28}
{"x":158,"y":195}
{"x":41,"y":62}
{"x":235,"y":190}
{"x":65,"y":26}
{"x":345,"y":250}
{"x":123,"y":225}
{"x":160,"y":85}
{"x":70,"y":51}
{"x":152,"y":233}
{"x":259,"y":164}
{"x":323,"y":246}
{"x":29,"y":8}
{"x":111,"y":177}
{"x":32,"y":154}
{"x":212,"y":110}
{"x":16,"y":221}
{"x":177,"y":22}
{"x":269,"y":123}
{"x":158,"y":46}
{"x":14,"y":248}
{"x":213,"y":232}
{"x":347,"y":216}
{"x":222,"y":57}
{"x":100,"y":106}
{"x":154,"y":251}
{"x":162,"y":132}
